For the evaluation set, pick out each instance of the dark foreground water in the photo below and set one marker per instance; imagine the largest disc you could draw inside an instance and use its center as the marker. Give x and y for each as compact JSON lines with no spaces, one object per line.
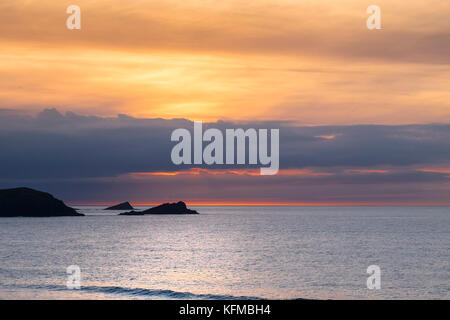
{"x":230,"y":252}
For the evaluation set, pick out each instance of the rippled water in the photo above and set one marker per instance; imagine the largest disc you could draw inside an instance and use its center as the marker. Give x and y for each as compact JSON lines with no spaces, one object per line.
{"x":230,"y":252}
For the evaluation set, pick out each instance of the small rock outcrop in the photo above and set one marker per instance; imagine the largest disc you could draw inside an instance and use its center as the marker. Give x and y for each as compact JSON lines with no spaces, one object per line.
{"x":26,"y":202}
{"x":132,"y":213}
{"x":166,"y":208}
{"x":121,"y":206}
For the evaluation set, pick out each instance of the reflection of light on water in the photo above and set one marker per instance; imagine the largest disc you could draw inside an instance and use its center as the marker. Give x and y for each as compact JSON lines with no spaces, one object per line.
{"x":271,"y":252}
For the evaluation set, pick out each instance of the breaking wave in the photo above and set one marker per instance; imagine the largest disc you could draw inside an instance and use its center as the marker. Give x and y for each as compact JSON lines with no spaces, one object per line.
{"x":140,"y":292}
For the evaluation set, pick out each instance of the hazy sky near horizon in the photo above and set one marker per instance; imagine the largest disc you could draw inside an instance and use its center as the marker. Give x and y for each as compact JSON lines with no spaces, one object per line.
{"x":314,"y":62}
{"x":363,"y":114}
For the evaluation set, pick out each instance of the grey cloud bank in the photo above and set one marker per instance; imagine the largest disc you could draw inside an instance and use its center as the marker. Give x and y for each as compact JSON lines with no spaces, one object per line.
{"x":82,"y":157}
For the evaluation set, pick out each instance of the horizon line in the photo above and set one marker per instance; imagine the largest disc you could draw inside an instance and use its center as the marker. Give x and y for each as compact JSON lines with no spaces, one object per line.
{"x":261,"y":204}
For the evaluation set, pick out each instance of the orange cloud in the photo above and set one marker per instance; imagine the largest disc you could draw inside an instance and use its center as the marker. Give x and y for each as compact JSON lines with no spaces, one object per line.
{"x":435,"y":170}
{"x":368,"y":171}
{"x":327,"y":137}
{"x":311,"y":62}
{"x":239,"y":172}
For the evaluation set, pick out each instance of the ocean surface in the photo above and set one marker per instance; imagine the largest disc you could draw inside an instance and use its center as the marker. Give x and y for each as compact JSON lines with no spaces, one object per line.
{"x":230,"y":253}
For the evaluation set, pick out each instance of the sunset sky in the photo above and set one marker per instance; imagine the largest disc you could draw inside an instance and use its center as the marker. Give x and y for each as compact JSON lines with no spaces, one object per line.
{"x":310,"y":68}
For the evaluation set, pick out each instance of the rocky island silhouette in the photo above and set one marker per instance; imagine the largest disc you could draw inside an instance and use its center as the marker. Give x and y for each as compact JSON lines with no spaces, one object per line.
{"x":26,"y":202}
{"x":165,"y":208}
{"x":121,"y":206}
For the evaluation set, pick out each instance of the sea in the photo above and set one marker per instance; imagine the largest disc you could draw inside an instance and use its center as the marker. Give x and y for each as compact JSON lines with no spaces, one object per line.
{"x":230,"y":252}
